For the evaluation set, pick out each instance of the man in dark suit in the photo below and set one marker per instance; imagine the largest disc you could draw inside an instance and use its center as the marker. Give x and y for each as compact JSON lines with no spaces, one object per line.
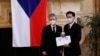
{"x":74,"y":31}
{"x":49,"y":34}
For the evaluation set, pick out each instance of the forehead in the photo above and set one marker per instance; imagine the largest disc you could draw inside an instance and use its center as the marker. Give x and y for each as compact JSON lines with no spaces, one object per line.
{"x":69,"y":15}
{"x":52,"y":17}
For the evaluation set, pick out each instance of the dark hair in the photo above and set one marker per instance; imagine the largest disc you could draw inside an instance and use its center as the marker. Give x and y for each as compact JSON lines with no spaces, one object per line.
{"x":52,"y":14}
{"x":70,"y":12}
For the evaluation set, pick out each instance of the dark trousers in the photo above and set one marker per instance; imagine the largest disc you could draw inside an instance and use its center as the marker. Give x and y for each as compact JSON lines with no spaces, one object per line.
{"x":71,"y":53}
{"x":53,"y":53}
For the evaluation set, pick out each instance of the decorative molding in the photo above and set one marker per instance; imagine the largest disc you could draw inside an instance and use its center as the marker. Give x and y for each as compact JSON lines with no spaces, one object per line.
{"x":0,"y":12}
{"x":5,"y":17}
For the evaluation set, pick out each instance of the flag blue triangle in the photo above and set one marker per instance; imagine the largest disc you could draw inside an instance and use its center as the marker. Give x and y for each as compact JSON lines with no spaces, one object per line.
{"x":29,"y":6}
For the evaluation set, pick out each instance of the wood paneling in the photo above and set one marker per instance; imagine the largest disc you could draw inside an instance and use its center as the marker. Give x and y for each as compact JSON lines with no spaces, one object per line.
{"x":97,"y":5}
{"x":5,"y":0}
{"x":5,"y":14}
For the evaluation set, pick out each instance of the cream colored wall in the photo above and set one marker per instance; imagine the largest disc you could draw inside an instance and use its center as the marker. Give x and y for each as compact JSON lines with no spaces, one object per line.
{"x":87,"y":8}
{"x":61,"y":7}
{"x":4,"y":14}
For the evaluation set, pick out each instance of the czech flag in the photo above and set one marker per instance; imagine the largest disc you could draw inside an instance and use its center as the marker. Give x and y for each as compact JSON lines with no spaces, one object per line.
{"x":28,"y":19}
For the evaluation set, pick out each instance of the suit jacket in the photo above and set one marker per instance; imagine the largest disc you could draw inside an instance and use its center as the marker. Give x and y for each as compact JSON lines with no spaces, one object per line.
{"x":48,"y":42}
{"x":75,"y":33}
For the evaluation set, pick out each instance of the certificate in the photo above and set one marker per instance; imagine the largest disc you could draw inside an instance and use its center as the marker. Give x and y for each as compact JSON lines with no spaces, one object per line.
{"x":60,"y":41}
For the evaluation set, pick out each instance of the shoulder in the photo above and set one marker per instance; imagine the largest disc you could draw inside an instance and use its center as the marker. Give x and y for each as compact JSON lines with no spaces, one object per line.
{"x":58,"y":26}
{"x":77,"y":25}
{"x":46,"y":27}
{"x":65,"y":25}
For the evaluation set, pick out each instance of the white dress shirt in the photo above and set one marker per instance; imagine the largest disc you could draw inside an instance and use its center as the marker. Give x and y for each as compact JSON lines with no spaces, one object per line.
{"x":71,"y":25}
{"x":54,"y":28}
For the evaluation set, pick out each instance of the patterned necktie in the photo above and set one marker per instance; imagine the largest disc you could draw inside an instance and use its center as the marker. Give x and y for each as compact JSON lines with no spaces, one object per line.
{"x":68,"y":27}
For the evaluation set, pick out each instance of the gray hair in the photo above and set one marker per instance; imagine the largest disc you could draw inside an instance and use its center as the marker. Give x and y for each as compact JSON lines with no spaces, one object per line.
{"x":52,"y":14}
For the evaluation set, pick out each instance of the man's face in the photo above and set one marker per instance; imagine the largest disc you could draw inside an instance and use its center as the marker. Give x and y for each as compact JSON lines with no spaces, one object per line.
{"x":52,"y":18}
{"x":70,"y":18}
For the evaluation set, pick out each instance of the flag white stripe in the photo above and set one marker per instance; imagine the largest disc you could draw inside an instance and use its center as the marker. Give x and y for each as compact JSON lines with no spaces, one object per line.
{"x":20,"y":25}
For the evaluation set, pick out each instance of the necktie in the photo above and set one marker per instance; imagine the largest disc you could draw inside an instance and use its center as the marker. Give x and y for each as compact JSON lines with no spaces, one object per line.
{"x":68,"y":27}
{"x":54,"y":29}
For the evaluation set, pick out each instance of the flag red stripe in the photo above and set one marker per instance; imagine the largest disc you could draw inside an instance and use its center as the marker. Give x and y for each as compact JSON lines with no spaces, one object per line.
{"x":37,"y":21}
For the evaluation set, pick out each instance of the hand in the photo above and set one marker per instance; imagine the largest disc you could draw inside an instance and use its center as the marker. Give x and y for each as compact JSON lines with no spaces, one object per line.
{"x":66,"y":45}
{"x":44,"y":53}
{"x":63,"y":34}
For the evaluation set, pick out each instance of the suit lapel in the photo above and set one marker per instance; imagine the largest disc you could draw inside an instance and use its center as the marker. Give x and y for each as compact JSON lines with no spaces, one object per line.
{"x":50,"y":28}
{"x":73,"y":26}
